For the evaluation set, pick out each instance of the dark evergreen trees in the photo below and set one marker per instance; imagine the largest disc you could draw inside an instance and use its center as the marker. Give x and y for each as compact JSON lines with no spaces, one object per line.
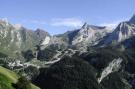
{"x":69,"y":73}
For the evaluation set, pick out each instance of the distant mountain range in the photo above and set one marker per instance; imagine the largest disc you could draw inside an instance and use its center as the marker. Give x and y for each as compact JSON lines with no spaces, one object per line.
{"x":90,"y":57}
{"x":18,"y":38}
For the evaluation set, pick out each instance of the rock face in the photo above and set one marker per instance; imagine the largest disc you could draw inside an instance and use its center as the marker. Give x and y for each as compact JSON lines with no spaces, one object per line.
{"x":87,"y":35}
{"x":42,"y":35}
{"x":15,"y":38}
{"x":122,"y":32}
{"x":90,"y":35}
{"x":132,"y":20}
{"x":112,"y":67}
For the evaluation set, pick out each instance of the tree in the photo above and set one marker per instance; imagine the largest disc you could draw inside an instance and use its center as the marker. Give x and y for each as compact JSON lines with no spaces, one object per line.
{"x":22,"y":83}
{"x":69,"y":73}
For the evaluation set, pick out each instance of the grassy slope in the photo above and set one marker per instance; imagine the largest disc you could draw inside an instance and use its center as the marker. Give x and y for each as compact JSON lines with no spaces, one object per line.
{"x":8,"y":77}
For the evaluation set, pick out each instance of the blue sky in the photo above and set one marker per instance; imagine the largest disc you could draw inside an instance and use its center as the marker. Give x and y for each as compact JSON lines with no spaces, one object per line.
{"x":58,"y":16}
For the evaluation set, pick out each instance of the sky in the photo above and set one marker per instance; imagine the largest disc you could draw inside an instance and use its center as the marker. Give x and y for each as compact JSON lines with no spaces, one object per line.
{"x":58,"y":16}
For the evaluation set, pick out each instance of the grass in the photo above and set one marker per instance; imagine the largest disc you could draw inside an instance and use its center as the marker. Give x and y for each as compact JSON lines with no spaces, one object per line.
{"x":9,"y":74}
{"x":7,"y":78}
{"x":5,"y":83}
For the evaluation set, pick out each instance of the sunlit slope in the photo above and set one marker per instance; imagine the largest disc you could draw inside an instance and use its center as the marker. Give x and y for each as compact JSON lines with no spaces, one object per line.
{"x":7,"y":78}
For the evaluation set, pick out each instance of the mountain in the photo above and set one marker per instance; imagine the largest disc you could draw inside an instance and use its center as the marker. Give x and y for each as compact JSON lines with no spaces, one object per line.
{"x":90,"y":57}
{"x":122,"y":32}
{"x":132,"y":20}
{"x":128,"y":43}
{"x":101,"y":68}
{"x":16,"y":38}
{"x":90,"y":35}
{"x":87,"y":35}
{"x":113,"y":68}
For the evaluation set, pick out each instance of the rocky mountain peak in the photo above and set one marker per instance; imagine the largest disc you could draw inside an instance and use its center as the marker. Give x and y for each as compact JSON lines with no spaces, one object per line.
{"x":17,"y":26}
{"x":132,"y":20}
{"x":126,"y":28}
{"x":92,"y":27}
{"x":90,"y":35}
{"x":123,"y":26}
{"x":85,"y":26}
{"x":123,"y":31}
{"x":41,"y":32}
{"x":4,"y":22}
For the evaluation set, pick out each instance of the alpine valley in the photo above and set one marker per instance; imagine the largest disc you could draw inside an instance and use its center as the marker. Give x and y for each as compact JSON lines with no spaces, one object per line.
{"x":90,"y":57}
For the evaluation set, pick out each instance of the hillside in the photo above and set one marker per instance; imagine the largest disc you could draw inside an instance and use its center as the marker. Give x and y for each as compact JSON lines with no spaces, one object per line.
{"x":8,"y":78}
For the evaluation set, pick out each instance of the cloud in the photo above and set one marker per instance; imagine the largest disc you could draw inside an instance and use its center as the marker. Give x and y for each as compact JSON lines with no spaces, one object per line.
{"x":66,"y":22}
{"x":111,"y":24}
{"x":35,"y":22}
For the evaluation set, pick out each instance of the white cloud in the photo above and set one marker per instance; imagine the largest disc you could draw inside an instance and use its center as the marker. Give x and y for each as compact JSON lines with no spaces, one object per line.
{"x":67,"y":22}
{"x":111,"y":24}
{"x":35,"y":22}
